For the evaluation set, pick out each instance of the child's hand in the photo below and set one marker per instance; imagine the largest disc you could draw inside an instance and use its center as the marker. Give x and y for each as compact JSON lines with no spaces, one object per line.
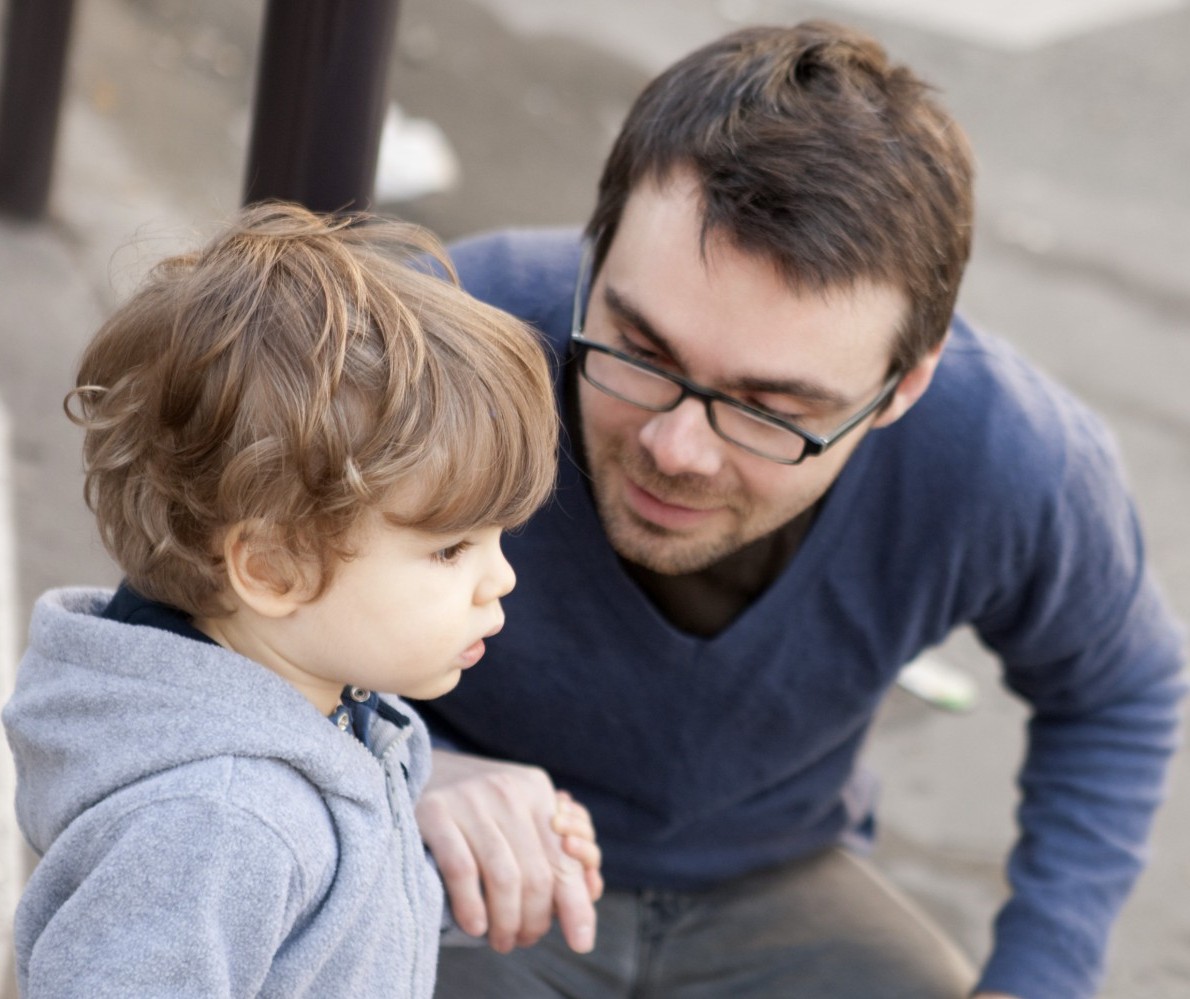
{"x":573,"y":823}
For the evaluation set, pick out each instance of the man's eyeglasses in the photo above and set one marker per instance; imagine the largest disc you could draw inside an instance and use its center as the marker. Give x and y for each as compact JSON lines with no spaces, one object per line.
{"x":634,"y":381}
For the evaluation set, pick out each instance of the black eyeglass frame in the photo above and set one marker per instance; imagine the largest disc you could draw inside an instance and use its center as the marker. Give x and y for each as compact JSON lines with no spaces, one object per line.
{"x":815,"y":444}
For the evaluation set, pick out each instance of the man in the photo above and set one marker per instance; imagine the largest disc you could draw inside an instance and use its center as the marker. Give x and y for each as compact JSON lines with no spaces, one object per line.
{"x":787,"y":473}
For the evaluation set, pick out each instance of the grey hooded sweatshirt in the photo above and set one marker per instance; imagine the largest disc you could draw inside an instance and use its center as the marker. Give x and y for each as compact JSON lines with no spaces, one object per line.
{"x":203,"y":829}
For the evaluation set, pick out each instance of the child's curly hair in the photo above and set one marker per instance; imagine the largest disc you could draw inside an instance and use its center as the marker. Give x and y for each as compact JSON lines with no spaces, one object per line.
{"x":285,"y":378}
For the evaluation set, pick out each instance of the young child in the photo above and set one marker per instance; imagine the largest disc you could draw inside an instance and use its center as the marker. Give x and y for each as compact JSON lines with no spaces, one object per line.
{"x":301,"y":448}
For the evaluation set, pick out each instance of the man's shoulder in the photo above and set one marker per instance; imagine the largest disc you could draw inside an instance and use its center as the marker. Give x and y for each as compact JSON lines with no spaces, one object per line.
{"x":514,"y":250}
{"x":992,"y":409}
{"x":528,"y":272}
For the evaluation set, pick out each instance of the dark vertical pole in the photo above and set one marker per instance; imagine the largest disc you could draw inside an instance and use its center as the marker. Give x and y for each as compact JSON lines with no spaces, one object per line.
{"x":36,"y":36}
{"x":320,"y":100}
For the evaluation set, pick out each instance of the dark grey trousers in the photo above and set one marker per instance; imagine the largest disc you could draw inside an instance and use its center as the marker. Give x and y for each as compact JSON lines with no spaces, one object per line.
{"x":829,"y":927}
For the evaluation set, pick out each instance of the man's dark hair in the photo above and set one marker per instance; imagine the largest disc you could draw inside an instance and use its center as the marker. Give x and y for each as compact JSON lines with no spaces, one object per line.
{"x":815,"y":151}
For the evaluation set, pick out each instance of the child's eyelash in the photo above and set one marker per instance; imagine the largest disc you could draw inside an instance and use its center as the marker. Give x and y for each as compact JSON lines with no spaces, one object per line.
{"x":451,"y":553}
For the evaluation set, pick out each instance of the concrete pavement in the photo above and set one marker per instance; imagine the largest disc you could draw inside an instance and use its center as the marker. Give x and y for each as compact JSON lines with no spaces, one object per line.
{"x":1078,"y":113}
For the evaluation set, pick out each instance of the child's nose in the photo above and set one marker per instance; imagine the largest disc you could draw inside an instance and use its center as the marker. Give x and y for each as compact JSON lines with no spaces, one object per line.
{"x":498,"y":581}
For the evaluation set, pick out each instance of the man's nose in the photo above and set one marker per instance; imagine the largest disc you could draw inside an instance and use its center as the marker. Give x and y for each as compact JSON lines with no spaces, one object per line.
{"x":682,"y":440}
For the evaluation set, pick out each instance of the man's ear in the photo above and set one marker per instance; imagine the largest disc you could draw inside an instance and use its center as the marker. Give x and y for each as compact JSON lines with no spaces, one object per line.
{"x":252,"y":558}
{"x":912,"y":387}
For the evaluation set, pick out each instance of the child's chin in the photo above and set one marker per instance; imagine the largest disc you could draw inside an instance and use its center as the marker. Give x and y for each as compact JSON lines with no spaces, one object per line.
{"x":442,"y":685}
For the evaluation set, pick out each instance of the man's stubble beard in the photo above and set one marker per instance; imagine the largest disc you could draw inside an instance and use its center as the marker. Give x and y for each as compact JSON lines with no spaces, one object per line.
{"x":650,"y":545}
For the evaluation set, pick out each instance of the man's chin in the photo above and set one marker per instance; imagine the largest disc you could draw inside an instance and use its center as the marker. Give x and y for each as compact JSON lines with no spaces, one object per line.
{"x":687,"y":545}
{"x":662,"y":551}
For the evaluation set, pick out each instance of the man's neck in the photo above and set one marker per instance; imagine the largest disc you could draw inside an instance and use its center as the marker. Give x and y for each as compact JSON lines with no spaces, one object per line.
{"x":705,"y":602}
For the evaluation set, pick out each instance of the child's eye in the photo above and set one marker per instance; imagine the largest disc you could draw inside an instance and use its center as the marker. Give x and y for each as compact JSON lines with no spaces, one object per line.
{"x":451,"y":553}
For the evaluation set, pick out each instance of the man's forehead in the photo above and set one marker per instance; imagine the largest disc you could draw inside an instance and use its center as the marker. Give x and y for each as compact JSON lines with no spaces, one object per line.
{"x":664,"y":220}
{"x":745,"y":371}
{"x":757,"y":334}
{"x":679,"y":192}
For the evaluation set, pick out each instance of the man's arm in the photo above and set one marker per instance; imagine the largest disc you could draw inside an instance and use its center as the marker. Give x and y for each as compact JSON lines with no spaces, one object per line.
{"x":1090,"y":787}
{"x":1088,"y":642}
{"x":492,"y":829}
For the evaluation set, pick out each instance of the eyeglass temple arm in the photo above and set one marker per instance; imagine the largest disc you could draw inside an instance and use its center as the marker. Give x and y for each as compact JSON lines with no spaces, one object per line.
{"x":581,"y":286}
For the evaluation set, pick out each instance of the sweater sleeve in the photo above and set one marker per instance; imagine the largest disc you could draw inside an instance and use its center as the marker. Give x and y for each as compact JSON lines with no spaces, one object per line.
{"x":188,"y":897}
{"x":1090,"y":645}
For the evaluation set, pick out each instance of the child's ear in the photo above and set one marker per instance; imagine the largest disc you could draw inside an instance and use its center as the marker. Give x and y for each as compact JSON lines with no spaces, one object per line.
{"x":250,"y":558}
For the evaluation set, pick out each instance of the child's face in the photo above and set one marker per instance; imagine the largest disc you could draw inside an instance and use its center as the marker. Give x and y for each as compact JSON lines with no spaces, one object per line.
{"x":406,"y":616}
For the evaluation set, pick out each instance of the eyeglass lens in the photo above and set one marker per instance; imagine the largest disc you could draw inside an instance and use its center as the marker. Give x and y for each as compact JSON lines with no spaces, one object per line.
{"x":653,"y":391}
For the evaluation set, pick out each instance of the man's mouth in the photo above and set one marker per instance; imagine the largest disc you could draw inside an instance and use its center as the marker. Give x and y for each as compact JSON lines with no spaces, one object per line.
{"x":663,"y":512}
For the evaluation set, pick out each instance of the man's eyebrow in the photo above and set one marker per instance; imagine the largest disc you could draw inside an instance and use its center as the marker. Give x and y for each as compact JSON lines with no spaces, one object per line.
{"x":628,"y":312}
{"x":797,"y":388}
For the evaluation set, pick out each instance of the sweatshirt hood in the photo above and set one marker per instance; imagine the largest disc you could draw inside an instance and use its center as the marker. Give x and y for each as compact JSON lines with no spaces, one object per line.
{"x":99,"y":705}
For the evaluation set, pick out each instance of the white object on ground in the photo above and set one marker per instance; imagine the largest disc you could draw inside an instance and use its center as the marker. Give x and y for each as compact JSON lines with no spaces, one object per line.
{"x":415,"y":158}
{"x":939,"y":684}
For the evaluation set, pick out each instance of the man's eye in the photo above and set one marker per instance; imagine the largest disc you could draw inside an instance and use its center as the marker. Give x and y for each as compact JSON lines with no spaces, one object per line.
{"x":777,"y":414}
{"x":785,"y":410}
{"x":642,"y":352}
{"x":451,"y":553}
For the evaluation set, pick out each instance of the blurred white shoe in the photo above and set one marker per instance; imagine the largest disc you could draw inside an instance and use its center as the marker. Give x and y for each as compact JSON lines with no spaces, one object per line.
{"x":939,"y":684}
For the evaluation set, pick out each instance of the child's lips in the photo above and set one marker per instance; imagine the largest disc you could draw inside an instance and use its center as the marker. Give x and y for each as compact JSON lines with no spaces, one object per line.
{"x":472,"y":654}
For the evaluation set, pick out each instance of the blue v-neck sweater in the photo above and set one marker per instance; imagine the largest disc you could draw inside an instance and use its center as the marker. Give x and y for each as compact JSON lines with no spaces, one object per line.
{"x":997,"y":502}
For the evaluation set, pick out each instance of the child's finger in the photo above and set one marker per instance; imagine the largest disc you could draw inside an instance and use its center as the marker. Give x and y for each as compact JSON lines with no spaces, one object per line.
{"x":585,"y":851}
{"x":594,"y":883}
{"x":571,"y":818}
{"x":591,"y":858}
